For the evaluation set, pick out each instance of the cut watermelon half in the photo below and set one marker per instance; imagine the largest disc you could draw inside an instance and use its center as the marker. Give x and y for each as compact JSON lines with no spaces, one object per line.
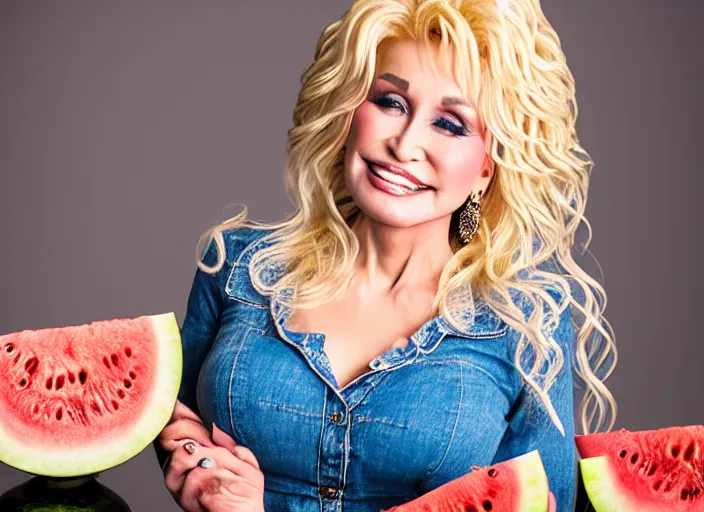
{"x":78,"y":400}
{"x":645,"y":471}
{"x":517,"y":485}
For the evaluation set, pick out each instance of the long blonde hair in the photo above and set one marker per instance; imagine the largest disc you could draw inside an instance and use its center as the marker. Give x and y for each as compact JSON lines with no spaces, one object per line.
{"x":510,"y":64}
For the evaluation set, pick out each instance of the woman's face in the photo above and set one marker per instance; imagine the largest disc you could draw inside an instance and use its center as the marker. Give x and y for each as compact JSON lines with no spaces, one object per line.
{"x":415,"y":149}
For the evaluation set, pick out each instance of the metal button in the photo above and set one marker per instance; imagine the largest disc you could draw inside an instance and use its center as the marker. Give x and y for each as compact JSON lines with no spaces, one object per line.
{"x":337,"y":417}
{"x":328,"y":492}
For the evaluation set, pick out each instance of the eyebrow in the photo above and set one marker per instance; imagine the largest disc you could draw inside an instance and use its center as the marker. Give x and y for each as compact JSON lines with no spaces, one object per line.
{"x":404,"y":85}
{"x":397,"y":81}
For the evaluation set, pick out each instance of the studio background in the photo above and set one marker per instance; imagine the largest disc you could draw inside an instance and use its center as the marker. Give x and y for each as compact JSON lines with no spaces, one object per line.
{"x":127,"y":127}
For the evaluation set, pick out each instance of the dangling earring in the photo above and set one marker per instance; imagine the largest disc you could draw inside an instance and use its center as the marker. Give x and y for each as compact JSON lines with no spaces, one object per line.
{"x":469,"y":218}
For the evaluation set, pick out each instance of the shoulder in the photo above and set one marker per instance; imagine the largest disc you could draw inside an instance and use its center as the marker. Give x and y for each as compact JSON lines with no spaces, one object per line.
{"x":240,"y":242}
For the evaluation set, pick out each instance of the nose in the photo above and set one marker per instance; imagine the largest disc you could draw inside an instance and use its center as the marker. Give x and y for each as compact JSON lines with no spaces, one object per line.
{"x":410,"y":142}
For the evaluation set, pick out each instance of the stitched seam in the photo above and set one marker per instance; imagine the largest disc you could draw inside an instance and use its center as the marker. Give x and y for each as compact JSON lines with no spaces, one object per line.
{"x":232,"y":376}
{"x":287,"y":409}
{"x":320,"y":448}
{"x":248,"y":302}
{"x":454,"y":428}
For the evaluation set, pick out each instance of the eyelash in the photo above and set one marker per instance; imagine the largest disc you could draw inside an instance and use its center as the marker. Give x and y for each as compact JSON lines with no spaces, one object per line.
{"x":385,"y":101}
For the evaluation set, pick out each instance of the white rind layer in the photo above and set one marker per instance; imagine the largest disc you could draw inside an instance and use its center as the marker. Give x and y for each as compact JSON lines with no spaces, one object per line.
{"x":534,"y":482}
{"x":599,"y":484}
{"x":95,"y":458}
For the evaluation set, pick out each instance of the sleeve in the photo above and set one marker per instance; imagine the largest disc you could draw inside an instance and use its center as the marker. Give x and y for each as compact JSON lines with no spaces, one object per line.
{"x":200,"y":325}
{"x":530,"y":427}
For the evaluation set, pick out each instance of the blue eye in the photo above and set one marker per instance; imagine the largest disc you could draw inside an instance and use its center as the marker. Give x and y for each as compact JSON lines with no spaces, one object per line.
{"x":455,"y":129}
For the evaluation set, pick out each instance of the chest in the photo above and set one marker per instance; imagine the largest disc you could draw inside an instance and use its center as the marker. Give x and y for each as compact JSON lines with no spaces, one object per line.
{"x":356,"y":331}
{"x":419,"y":414}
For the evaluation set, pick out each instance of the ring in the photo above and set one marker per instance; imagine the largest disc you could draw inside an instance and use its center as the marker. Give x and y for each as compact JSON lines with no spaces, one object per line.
{"x":206,"y":463}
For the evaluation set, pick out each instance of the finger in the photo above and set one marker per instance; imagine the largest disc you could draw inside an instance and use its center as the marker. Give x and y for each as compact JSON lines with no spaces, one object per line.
{"x":245,"y":454}
{"x":182,"y":462}
{"x":552,"y":503}
{"x":182,"y":411}
{"x":203,"y":480}
{"x":231,"y":495}
{"x":222,"y":439}
{"x":170,"y":438}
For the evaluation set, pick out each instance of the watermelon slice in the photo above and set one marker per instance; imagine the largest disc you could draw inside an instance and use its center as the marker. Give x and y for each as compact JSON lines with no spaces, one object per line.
{"x":519,"y":484}
{"x":78,"y":400}
{"x":644,"y":471}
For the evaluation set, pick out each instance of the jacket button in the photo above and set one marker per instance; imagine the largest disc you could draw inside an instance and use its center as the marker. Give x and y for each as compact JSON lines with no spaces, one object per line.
{"x":328,"y":492}
{"x":337,"y":417}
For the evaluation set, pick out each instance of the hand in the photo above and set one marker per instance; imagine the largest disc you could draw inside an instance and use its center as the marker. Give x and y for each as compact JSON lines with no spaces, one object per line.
{"x":552,"y":503}
{"x":235,"y":483}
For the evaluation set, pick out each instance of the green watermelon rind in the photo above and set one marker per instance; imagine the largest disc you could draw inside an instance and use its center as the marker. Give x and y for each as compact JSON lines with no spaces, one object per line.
{"x":601,"y":484}
{"x":94,"y":459}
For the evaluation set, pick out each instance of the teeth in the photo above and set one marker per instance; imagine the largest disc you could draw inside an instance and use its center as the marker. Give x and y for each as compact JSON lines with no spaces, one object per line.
{"x":396,"y":179}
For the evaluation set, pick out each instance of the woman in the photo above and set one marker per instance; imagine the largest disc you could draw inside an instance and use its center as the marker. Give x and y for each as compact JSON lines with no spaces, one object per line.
{"x":414,"y":317}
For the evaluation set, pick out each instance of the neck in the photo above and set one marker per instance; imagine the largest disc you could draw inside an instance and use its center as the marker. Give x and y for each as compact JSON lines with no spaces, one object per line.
{"x":391,"y":258}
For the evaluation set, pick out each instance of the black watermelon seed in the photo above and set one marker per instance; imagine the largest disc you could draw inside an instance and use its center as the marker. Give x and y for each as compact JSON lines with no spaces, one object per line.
{"x":675,"y":451}
{"x":689,"y":452}
{"x":114,"y":359}
{"x":59,"y":414}
{"x":82,"y":376}
{"x":652,"y":469}
{"x":9,"y":348}
{"x":634,"y":458}
{"x":623,"y":453}
{"x":31,"y":365}
{"x":684,"y":495}
{"x":492,"y":472}
{"x":127,"y":383}
{"x":487,"y":505}
{"x":23,"y":382}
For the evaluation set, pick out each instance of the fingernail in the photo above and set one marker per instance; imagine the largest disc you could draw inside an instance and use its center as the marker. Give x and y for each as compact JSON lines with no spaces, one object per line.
{"x":190,"y":447}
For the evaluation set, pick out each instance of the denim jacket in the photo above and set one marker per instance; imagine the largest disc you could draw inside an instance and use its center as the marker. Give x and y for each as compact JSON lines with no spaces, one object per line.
{"x":420,"y":417}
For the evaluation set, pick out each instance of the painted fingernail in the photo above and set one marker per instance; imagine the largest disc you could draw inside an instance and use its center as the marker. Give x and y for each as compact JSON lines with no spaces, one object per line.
{"x":190,"y":447}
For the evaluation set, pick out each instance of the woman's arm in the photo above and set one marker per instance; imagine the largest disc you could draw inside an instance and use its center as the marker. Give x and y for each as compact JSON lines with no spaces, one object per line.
{"x":530,"y":427}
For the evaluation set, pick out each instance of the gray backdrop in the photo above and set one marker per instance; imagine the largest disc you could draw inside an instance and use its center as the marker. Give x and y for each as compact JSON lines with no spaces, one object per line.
{"x":127,"y":127}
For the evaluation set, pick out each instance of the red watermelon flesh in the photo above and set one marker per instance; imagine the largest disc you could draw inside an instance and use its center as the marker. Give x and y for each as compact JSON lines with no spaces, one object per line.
{"x":77,"y":400}
{"x":519,"y":485}
{"x":644,"y":471}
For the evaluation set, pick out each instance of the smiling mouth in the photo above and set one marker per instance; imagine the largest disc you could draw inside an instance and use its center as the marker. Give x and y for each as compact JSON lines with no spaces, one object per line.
{"x":396,"y":179}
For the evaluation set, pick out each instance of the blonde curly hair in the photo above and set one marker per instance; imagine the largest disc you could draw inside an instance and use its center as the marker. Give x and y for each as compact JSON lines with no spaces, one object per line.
{"x":509,"y":63}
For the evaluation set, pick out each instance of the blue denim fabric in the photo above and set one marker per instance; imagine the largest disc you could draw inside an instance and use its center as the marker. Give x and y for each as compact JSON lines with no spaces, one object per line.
{"x":421,"y":417}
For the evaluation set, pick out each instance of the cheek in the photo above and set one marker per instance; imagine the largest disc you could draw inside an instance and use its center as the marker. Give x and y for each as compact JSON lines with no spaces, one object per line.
{"x":368,"y":126}
{"x":461,"y":163}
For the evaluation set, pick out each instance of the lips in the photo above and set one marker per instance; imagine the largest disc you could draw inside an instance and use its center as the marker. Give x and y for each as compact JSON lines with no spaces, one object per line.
{"x":396,"y":176}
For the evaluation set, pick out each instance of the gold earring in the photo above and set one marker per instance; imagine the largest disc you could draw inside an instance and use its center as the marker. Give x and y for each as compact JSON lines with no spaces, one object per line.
{"x":469,"y":218}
